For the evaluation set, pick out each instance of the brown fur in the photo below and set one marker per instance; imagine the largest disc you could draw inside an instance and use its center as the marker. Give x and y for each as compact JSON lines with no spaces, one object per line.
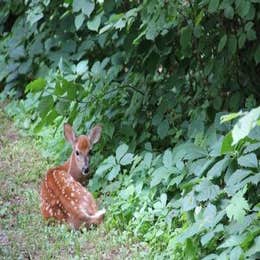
{"x":63,"y":197}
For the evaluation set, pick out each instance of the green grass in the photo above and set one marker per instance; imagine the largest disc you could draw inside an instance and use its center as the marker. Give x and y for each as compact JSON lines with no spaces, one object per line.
{"x":23,"y":232}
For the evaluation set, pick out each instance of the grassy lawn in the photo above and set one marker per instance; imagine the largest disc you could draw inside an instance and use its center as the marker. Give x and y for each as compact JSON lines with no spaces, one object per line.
{"x":23,"y":233}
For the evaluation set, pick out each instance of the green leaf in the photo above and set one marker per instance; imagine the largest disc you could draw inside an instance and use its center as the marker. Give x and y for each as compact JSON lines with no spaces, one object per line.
{"x":257,"y":55}
{"x":82,"y":67}
{"x":113,"y":173}
{"x":213,"y":6}
{"x":189,"y":201}
{"x":85,"y":6}
{"x":222,"y":43}
{"x":235,"y":253}
{"x":163,"y":129}
{"x":105,"y":165}
{"x":255,"y":248}
{"x":167,"y":159}
{"x":129,"y":191}
{"x":206,"y":191}
{"x":44,"y":105}
{"x":245,"y":124}
{"x":79,"y":19}
{"x":238,"y":206}
{"x":227,"y":144}
{"x":121,"y":151}
{"x":251,"y":147}
{"x":237,"y":177}
{"x":94,"y":24}
{"x":248,"y":160}
{"x":36,"y":85}
{"x":231,"y":242}
{"x":127,"y":159}
{"x":218,"y":168}
{"x":232,"y":44}
{"x":186,"y":37}
{"x":241,"y":40}
{"x":189,"y":232}
{"x":229,"y":12}
{"x":243,"y":7}
{"x":230,"y":117}
{"x":159,"y":174}
{"x":62,"y":107}
{"x":209,"y":216}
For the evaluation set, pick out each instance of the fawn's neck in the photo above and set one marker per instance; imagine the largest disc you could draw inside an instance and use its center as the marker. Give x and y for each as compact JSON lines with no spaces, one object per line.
{"x":73,"y":169}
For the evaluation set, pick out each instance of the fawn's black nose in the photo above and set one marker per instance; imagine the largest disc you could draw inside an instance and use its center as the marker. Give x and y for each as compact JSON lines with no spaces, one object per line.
{"x":85,"y":170}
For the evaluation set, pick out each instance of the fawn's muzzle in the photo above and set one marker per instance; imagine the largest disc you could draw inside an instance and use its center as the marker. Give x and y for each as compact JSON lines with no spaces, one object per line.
{"x":85,"y":170}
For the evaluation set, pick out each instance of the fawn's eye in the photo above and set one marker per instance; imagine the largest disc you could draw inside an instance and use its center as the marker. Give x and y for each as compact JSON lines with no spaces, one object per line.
{"x":77,"y":152}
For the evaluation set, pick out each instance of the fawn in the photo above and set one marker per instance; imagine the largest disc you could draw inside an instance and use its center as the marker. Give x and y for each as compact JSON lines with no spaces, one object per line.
{"x":62,"y":195}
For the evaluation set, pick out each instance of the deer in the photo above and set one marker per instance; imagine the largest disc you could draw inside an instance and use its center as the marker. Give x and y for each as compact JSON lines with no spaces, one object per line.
{"x":62,"y":195}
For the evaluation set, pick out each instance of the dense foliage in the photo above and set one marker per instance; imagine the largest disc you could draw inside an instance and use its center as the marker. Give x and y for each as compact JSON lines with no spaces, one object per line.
{"x":155,"y":74}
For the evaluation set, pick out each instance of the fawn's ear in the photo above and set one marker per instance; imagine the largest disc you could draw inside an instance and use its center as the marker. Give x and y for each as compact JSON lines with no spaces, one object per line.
{"x":95,"y":134}
{"x":69,"y":134}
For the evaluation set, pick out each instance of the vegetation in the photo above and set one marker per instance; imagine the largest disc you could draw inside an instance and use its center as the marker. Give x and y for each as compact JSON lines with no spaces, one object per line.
{"x":158,"y":75}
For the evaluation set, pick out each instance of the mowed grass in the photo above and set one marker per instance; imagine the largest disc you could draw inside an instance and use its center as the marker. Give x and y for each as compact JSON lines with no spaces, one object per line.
{"x":23,"y":232}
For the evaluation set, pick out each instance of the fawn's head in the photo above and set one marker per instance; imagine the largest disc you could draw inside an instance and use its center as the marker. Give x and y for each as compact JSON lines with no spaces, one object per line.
{"x":82,"y":145}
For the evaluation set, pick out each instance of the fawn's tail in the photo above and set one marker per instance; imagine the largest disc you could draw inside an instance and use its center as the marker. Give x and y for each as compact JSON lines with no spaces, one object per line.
{"x":97,"y":217}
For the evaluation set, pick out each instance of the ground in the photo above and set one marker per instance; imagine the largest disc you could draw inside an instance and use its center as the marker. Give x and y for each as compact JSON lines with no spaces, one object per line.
{"x":23,"y":232}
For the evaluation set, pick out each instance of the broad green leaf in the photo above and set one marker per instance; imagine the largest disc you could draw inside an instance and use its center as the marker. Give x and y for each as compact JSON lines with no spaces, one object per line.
{"x":255,"y":247}
{"x":163,"y":129}
{"x":121,"y":151}
{"x":229,"y":12}
{"x":159,"y":174}
{"x":248,"y":160}
{"x":206,"y":191}
{"x":167,"y":159}
{"x":107,"y":164}
{"x":245,"y":124}
{"x":213,"y":6}
{"x":113,"y":173}
{"x":230,"y":117}
{"x":241,"y":40}
{"x":148,"y":159}
{"x":222,"y":43}
{"x":189,"y":201}
{"x":82,"y":67}
{"x":243,"y":7}
{"x":252,"y":147}
{"x":231,"y":241}
{"x":163,"y":199}
{"x":209,"y":216}
{"x":186,"y":37}
{"x":227,"y":144}
{"x":257,"y":54}
{"x":126,"y":159}
{"x":238,"y":206}
{"x":79,"y":19}
{"x":232,"y":44}
{"x":235,"y":253}
{"x":36,"y":85}
{"x":218,"y":168}
{"x":85,"y":6}
{"x":129,"y":191}
{"x":62,"y":107}
{"x":44,"y":105}
{"x":94,"y":24}
{"x":189,"y":232}
{"x":237,"y":177}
